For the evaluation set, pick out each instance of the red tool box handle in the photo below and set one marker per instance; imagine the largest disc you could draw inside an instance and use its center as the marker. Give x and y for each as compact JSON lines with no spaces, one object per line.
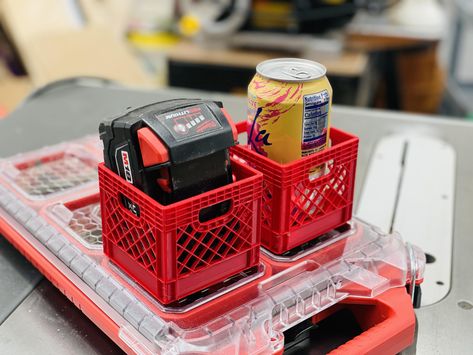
{"x":389,"y":321}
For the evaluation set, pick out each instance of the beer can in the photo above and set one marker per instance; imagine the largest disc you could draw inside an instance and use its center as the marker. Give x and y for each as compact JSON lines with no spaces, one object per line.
{"x":289,"y":104}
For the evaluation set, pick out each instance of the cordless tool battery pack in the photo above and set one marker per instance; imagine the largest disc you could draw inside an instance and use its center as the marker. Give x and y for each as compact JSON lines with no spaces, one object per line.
{"x":171,"y":150}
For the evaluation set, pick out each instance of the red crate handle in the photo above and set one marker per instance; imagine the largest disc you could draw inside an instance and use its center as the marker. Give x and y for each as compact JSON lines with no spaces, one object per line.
{"x":311,"y":184}
{"x":119,"y":195}
{"x":216,"y":221}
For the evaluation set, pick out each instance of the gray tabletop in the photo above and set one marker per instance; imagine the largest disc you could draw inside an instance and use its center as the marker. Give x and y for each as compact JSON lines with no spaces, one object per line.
{"x":35,"y":317}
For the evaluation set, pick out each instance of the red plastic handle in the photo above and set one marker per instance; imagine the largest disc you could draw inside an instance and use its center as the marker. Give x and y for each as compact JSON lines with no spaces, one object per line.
{"x":383,"y":335}
{"x":241,"y":127}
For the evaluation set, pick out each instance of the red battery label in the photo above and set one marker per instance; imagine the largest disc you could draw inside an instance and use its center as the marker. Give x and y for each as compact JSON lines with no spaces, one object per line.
{"x":126,"y":166}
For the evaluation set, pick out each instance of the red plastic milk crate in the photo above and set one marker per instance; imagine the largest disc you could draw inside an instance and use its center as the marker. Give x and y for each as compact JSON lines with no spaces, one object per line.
{"x":296,"y":207}
{"x":166,"y":249}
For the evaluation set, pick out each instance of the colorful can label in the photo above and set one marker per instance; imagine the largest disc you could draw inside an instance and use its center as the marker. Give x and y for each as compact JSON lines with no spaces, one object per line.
{"x":289,"y":104}
{"x":315,"y":122}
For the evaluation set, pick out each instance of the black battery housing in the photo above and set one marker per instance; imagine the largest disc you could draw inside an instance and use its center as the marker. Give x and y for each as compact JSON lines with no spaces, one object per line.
{"x":196,"y":134}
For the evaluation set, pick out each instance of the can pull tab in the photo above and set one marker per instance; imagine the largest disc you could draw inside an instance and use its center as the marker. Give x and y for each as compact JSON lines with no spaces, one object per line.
{"x":297,"y":73}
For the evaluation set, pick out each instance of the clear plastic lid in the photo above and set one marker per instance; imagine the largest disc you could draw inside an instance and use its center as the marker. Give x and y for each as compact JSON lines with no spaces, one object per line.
{"x":246,"y":315}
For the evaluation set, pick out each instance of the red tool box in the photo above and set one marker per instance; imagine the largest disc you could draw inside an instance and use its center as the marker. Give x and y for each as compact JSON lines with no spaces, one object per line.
{"x":54,"y":220}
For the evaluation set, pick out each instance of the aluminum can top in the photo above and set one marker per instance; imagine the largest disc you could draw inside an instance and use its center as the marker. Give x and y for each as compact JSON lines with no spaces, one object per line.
{"x":291,"y":70}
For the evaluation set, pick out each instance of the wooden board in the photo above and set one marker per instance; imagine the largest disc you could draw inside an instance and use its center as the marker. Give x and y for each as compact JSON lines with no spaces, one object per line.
{"x":350,"y":63}
{"x":54,"y":43}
